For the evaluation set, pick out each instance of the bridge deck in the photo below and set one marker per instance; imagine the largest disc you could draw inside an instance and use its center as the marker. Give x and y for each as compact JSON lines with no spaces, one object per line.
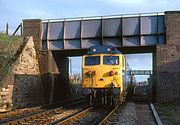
{"x":119,"y":31}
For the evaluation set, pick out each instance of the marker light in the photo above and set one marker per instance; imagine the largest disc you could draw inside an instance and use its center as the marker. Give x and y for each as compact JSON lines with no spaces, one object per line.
{"x":108,"y":49}
{"x":94,"y":50}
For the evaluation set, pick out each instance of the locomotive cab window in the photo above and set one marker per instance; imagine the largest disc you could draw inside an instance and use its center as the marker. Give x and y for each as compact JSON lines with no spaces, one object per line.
{"x":111,"y":60}
{"x":92,"y":60}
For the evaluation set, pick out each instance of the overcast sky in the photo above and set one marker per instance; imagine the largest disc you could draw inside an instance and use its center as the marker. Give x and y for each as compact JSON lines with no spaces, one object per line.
{"x":14,"y":11}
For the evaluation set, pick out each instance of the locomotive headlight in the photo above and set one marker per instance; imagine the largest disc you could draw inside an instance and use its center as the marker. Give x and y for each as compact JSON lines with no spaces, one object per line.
{"x":90,"y":72}
{"x":114,"y":83}
{"x":112,"y":73}
{"x":94,"y":50}
{"x":108,"y":49}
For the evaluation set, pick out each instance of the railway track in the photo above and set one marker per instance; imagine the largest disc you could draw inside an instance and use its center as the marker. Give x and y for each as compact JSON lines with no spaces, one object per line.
{"x":48,"y":113}
{"x":17,"y":114}
{"x":89,"y":116}
{"x":132,"y":114}
{"x":129,"y":113}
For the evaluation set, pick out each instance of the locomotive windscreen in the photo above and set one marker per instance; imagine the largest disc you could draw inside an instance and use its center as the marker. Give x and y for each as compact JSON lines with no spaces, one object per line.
{"x":111,"y":60}
{"x":92,"y":60}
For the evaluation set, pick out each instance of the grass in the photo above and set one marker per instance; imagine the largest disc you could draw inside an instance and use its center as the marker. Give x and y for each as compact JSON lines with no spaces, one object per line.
{"x":9,"y":46}
{"x":170,"y":111}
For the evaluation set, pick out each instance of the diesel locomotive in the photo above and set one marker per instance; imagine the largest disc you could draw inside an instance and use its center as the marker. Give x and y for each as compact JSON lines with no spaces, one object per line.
{"x":104,"y":75}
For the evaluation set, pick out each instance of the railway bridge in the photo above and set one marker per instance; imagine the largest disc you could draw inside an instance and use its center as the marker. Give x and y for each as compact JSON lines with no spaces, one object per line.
{"x":157,"y":33}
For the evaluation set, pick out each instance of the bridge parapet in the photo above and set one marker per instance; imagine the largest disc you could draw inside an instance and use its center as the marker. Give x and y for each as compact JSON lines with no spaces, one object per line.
{"x":119,"y":31}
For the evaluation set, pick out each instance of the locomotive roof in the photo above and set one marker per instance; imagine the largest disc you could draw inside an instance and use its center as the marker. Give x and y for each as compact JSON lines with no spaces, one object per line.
{"x":105,"y":49}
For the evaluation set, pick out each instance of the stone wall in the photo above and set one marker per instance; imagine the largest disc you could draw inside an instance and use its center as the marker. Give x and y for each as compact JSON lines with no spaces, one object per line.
{"x":53,"y":66}
{"x":26,"y":87}
{"x":6,"y":98}
{"x":168,"y":60}
{"x":27,"y":80}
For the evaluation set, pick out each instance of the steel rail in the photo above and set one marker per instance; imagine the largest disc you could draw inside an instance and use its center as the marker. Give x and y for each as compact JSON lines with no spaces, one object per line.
{"x":152,"y":108}
{"x":155,"y":114}
{"x":20,"y":111}
{"x":42,"y":111}
{"x":105,"y":120}
{"x":75,"y":117}
{"x":25,"y":119}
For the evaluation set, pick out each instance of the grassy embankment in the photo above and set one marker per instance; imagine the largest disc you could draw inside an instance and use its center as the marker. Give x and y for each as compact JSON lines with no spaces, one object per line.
{"x":9,"y":46}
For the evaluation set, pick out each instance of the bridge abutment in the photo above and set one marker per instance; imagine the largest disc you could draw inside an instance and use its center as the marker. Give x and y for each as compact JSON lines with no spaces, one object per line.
{"x":53,"y":69}
{"x":168,"y":60}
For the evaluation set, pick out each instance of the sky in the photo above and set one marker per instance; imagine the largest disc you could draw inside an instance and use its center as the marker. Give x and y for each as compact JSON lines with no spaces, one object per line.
{"x":14,"y":11}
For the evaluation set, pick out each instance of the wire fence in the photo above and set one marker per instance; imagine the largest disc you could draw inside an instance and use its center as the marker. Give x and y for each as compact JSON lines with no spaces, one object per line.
{"x":9,"y":49}
{"x":11,"y":30}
